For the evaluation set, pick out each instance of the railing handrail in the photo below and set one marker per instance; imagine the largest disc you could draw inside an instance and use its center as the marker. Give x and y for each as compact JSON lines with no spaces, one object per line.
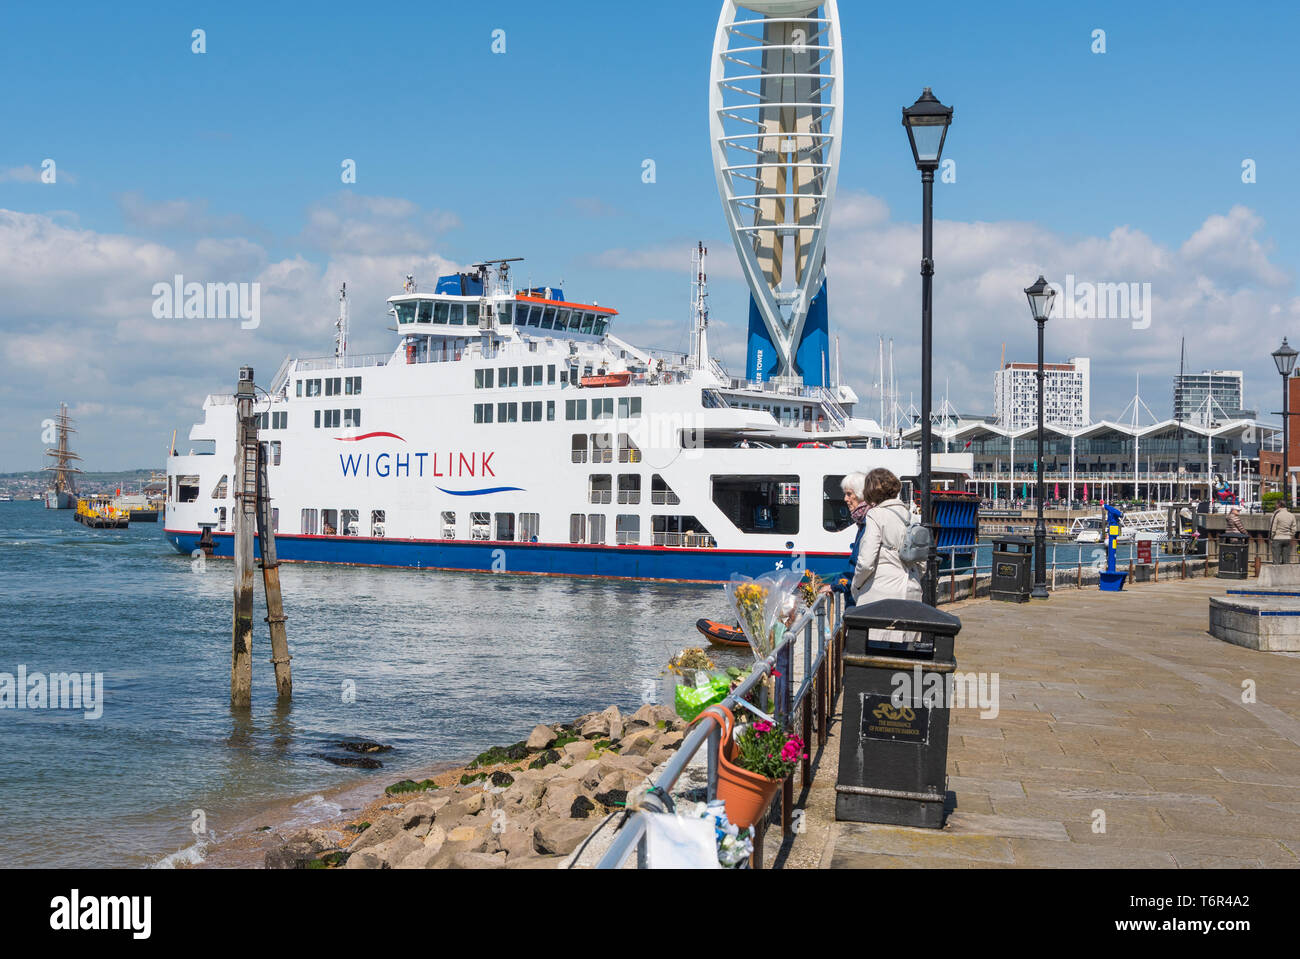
{"x":631,"y":834}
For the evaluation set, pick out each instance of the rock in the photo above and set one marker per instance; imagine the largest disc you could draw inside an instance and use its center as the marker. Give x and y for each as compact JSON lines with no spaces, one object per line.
{"x":604,"y":725}
{"x":443,"y":858}
{"x":417,"y":814}
{"x":612,"y":799}
{"x":622,"y":779}
{"x":478,"y":860}
{"x":465,"y":805}
{"x":578,"y":751}
{"x":526,"y":792}
{"x":382,"y":831}
{"x":515,"y":840}
{"x":363,"y":746}
{"x":545,"y":759}
{"x":559,"y":837}
{"x":297,"y":853}
{"x":357,"y":762}
{"x":470,"y":836}
{"x":645,"y":715}
{"x":365,"y":859}
{"x":610,"y":762}
{"x":421,"y":858}
{"x":501,"y":779}
{"x":582,"y":808}
{"x":534,"y":862}
{"x":639,"y":742}
{"x":540,"y":738}
{"x":559,"y":799}
{"x":393,"y":851}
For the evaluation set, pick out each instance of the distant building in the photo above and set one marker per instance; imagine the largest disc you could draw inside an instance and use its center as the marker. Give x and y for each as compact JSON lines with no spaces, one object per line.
{"x":1211,"y":395}
{"x":1066,"y":394}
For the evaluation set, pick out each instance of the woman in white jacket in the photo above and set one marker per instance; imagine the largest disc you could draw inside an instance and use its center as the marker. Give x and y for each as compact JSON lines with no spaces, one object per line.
{"x":880,"y":572}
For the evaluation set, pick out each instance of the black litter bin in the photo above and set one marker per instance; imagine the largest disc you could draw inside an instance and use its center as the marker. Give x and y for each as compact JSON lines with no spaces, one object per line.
{"x":1013,"y":567}
{"x":894,"y":739}
{"x":1234,"y":555}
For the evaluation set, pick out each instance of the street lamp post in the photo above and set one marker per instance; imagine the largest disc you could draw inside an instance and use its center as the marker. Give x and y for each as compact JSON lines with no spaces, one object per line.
{"x":1041,"y":297}
{"x":1284,"y":356}
{"x":926,"y":122}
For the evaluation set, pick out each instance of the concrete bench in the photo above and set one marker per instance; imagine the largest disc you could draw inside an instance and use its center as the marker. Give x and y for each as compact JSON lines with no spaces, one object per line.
{"x":1272,"y":575}
{"x":1257,"y":621}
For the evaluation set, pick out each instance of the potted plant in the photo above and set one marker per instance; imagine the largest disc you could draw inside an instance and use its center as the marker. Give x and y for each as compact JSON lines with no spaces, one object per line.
{"x":755,"y":760}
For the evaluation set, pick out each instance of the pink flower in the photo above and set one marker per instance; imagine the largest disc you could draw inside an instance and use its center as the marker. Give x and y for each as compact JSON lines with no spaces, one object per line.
{"x":762,"y":726}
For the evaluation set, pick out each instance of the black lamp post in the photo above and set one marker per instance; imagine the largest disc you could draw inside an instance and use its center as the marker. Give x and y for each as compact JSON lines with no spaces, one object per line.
{"x":927,"y":122}
{"x":1040,"y":297}
{"x":1284,"y":356}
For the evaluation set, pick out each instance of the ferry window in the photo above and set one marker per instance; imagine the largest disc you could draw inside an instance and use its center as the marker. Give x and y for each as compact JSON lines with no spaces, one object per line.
{"x":534,"y":316}
{"x":309,"y":527}
{"x":661,"y":494}
{"x":352,"y":386}
{"x":509,"y":376}
{"x":537,"y":375}
{"x":680,"y":531}
{"x":505,"y":527}
{"x":628,"y":452}
{"x":377,"y":521}
{"x":479,"y":526}
{"x":352,"y":419}
{"x":596,"y":529}
{"x":579,"y":448}
{"x":550,"y":375}
{"x":333,"y":386}
{"x":586,"y":371}
{"x":221,"y":518}
{"x":629,"y":489}
{"x":627,"y":530}
{"x":332,"y":419}
{"x":505,"y":313}
{"x":577,"y":528}
{"x":275,"y":519}
{"x":575,"y":409}
{"x":351,"y":522}
{"x":602,"y":409}
{"x":275,"y":452}
{"x":329,"y":521}
{"x":457,"y":314}
{"x":629,"y":407}
{"x":482,"y":412}
{"x":507,"y":412}
{"x":532,"y":412}
{"x":471,"y":314}
{"x":759,"y":504}
{"x":300,"y":387}
{"x":600,"y":488}
{"x":528,"y":376}
{"x":263,"y":421}
{"x":318,"y":419}
{"x":602,"y":324}
{"x":448,"y":524}
{"x":219,"y":491}
{"x":548,"y":318}
{"x":425,"y":313}
{"x":602,"y":448}
{"x":280,"y":421}
{"x":562,"y":320}
{"x":587,"y":320}
{"x":835,"y":512}
{"x":483,"y":379}
{"x":440,"y":311}
{"x":550,"y":411}
{"x":313,"y":387}
{"x":406,"y":312}
{"x":530,"y":526}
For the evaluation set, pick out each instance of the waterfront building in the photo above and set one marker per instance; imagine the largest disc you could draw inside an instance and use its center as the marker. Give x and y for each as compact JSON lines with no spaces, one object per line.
{"x":1209,"y":396}
{"x":1066,"y":394}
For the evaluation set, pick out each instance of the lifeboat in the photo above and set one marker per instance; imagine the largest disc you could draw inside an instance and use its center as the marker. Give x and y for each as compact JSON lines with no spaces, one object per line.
{"x":720,"y":634}
{"x":606,"y":379}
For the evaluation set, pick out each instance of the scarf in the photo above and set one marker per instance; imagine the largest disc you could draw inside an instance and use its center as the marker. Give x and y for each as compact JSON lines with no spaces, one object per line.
{"x":859,"y":514}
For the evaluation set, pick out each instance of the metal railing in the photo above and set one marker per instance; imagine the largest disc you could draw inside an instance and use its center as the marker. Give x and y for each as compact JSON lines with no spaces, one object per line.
{"x":814,"y":699}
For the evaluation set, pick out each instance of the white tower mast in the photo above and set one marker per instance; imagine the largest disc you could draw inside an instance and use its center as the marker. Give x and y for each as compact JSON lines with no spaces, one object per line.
{"x":700,"y":308}
{"x":341,"y":327}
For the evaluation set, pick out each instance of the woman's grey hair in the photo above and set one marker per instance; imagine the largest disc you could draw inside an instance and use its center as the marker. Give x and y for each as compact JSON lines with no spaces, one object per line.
{"x":854,"y":483}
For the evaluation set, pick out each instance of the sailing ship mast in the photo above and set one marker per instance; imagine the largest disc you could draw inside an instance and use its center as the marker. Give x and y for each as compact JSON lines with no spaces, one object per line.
{"x":63,"y":490}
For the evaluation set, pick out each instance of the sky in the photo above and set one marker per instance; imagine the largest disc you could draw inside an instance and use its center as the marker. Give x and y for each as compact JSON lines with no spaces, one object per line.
{"x":1122,"y":166}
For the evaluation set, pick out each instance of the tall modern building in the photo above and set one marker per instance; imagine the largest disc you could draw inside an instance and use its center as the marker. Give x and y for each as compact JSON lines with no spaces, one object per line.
{"x":1210,"y":395}
{"x":1066,"y":394}
{"x":776,"y":110}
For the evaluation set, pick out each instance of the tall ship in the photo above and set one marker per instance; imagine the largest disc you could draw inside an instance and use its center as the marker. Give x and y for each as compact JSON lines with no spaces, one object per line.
{"x":511,"y":429}
{"x":62,"y":493}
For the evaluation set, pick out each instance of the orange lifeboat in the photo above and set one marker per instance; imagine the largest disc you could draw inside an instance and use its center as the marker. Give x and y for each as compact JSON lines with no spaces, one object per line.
{"x":606,"y":379}
{"x":720,"y":634}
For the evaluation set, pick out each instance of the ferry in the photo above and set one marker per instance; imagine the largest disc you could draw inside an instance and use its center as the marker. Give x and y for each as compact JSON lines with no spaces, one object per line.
{"x":512,"y":430}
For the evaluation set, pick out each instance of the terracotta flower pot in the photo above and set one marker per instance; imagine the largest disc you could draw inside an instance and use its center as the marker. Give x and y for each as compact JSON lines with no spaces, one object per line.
{"x":746,"y":795}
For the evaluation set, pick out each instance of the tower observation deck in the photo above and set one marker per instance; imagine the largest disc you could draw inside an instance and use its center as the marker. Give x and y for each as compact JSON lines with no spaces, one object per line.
{"x":775,"y":105}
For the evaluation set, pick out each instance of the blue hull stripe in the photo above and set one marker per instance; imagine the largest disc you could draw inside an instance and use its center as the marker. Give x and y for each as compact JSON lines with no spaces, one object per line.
{"x":543,"y":559}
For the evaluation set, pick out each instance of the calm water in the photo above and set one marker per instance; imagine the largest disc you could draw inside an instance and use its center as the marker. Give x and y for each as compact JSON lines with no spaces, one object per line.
{"x":443,"y":664}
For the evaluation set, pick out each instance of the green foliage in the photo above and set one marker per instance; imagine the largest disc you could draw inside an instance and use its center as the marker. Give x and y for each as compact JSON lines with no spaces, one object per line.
{"x":1271,"y":500}
{"x":410,"y":786}
{"x":466,"y":779}
{"x":564,"y":740}
{"x":768,"y":750}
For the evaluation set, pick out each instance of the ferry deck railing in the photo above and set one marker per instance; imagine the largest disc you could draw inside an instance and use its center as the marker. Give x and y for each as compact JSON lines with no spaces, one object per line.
{"x":819,"y":644}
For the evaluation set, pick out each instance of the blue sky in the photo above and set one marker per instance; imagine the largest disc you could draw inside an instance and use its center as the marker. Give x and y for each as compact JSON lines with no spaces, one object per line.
{"x":463,"y":154}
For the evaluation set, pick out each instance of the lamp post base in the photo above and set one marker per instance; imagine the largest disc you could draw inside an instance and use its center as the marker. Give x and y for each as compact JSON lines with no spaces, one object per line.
{"x":1039,"y":592}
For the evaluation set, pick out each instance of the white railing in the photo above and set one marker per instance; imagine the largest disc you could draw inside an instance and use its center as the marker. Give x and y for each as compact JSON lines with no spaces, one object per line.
{"x":314,"y":363}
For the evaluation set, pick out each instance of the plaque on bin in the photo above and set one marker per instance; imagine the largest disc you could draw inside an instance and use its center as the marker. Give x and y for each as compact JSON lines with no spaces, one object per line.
{"x":882,"y":720}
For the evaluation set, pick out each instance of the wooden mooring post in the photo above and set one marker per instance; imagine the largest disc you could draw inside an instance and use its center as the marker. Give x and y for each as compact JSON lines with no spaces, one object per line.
{"x":252,"y":515}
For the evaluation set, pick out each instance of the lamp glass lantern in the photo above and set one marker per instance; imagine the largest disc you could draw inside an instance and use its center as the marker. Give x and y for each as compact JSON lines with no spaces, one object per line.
{"x":1284,"y":356}
{"x":927,"y":123}
{"x":1041,"y":296}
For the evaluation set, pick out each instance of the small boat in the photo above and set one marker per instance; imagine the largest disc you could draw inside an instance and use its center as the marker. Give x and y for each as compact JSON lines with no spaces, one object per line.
{"x":606,"y":379}
{"x":720,"y":634}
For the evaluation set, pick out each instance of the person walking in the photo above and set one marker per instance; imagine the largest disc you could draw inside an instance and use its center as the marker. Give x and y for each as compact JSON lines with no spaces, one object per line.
{"x":1281,"y":531}
{"x":880,"y":572}
{"x":852,"y":487}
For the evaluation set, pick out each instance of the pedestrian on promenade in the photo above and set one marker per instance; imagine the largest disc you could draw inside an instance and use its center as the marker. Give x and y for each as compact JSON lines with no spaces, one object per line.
{"x":1281,"y":530}
{"x":880,"y":572}
{"x":1234,"y":523}
{"x":852,"y":487}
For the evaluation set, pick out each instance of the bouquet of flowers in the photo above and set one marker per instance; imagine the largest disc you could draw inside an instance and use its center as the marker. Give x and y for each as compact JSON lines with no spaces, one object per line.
{"x":766,"y":749}
{"x":758,"y":603}
{"x":809,"y":587}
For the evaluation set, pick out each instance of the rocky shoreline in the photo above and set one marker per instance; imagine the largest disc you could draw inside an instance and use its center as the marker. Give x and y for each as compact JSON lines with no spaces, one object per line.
{"x":531,"y":805}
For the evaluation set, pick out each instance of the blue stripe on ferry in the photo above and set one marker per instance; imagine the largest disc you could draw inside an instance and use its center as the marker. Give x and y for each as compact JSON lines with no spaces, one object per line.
{"x":481,"y":492}
{"x":679,"y":564}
